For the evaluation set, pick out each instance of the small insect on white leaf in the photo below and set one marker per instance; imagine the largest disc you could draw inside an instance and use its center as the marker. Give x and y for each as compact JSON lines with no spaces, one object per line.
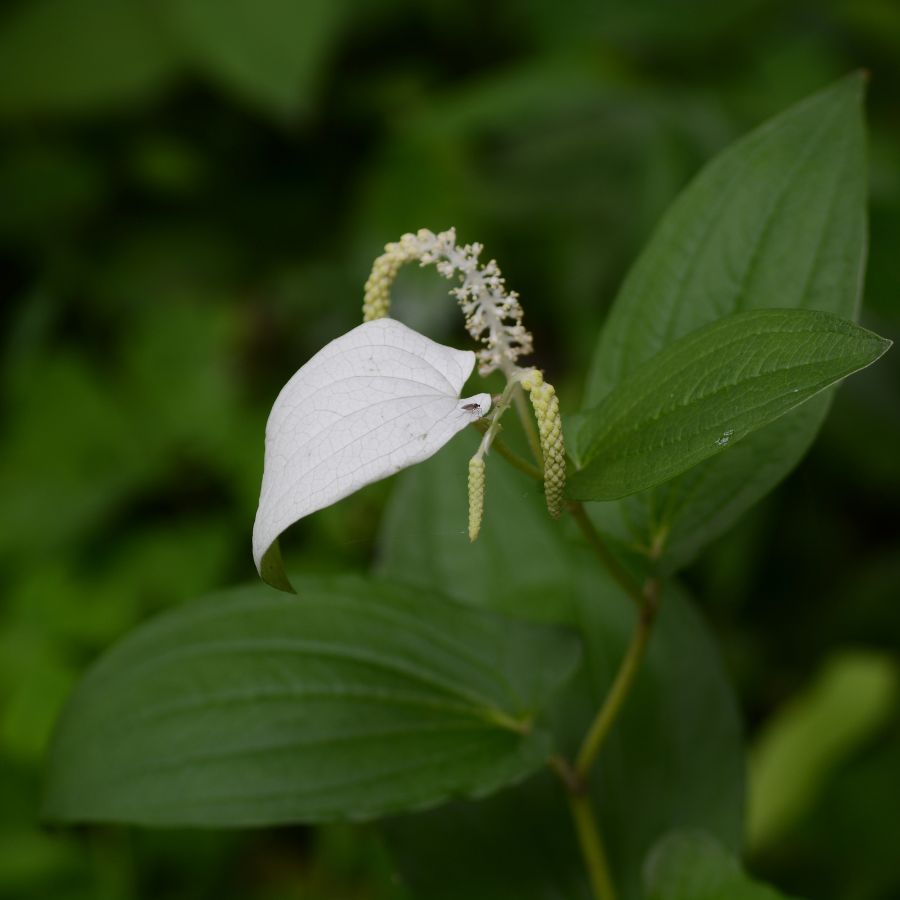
{"x":372,"y":402}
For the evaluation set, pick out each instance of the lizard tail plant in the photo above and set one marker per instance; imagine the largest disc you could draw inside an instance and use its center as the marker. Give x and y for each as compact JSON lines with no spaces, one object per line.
{"x":459,"y":670}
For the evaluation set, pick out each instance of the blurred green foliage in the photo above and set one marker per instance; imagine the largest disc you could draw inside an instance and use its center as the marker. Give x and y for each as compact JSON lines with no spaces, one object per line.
{"x":811,"y":736}
{"x":191,"y":193}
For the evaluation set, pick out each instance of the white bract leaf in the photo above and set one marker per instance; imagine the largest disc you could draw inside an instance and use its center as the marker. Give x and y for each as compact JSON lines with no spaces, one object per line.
{"x":372,"y":402}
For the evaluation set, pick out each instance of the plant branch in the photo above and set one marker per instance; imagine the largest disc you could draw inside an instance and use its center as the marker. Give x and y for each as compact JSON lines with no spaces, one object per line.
{"x":527,"y":421}
{"x":612,"y":565}
{"x":621,"y":686}
{"x":591,"y":843}
{"x":510,"y":455}
{"x":575,"y":778}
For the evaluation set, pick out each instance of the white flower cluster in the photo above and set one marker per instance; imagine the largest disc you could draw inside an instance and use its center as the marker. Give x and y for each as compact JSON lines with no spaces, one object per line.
{"x":493,"y":314}
{"x":494,"y":319}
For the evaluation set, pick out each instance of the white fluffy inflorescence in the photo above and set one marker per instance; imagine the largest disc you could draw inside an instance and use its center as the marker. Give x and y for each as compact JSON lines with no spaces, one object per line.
{"x":493,"y":314}
{"x":494,"y":319}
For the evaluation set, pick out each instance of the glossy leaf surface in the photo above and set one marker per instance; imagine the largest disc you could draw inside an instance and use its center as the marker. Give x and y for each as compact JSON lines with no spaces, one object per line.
{"x":711,"y":389}
{"x":777,"y":219}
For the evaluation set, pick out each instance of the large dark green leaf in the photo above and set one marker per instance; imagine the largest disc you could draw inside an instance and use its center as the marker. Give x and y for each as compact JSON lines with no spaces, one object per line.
{"x":710,"y":389}
{"x":518,"y":565}
{"x":674,"y":757}
{"x":356,"y":699}
{"x":517,"y":845}
{"x":692,"y":866}
{"x":777,"y":220}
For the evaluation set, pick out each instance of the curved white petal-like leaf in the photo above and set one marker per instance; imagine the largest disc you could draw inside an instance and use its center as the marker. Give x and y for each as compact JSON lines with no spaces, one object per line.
{"x":372,"y":402}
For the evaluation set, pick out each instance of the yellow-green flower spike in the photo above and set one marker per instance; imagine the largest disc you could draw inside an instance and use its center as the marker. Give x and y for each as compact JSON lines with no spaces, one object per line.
{"x":546,"y":411}
{"x":476,"y":495}
{"x":493,"y":313}
{"x":377,"y":297}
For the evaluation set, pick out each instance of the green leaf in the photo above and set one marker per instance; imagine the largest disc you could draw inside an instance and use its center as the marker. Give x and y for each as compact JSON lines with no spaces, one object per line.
{"x":518,"y":565}
{"x":675,"y":756}
{"x":777,"y":219}
{"x":270,"y":52}
{"x":516,"y":845}
{"x":692,"y":866}
{"x":711,"y":389}
{"x":357,"y":699}
{"x":850,"y":700}
{"x":74,"y":56}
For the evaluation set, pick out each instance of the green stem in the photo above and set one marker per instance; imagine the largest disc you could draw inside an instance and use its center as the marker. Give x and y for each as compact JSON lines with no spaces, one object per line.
{"x":591,"y":843}
{"x":527,"y":421}
{"x":510,"y":455}
{"x":621,"y":686}
{"x":612,"y":565}
{"x":575,"y":778}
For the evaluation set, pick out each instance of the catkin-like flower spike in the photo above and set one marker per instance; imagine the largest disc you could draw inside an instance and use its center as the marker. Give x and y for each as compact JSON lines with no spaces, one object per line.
{"x":546,"y":411}
{"x":377,"y":297}
{"x":476,"y":495}
{"x":493,"y":314}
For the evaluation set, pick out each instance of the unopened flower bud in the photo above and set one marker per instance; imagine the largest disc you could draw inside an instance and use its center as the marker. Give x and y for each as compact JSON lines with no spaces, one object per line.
{"x":546,"y":411}
{"x":476,"y":495}
{"x":377,"y":298}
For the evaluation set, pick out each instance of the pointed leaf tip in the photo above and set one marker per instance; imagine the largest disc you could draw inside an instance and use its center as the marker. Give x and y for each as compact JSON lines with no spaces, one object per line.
{"x":709,"y":390}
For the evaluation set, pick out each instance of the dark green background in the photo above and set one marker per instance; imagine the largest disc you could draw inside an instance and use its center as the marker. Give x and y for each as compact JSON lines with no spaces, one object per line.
{"x":190,"y":199}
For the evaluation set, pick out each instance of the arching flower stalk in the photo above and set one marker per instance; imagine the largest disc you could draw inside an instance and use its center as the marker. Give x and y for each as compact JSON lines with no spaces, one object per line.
{"x":493,"y":314}
{"x":494,"y":319}
{"x":377,"y":296}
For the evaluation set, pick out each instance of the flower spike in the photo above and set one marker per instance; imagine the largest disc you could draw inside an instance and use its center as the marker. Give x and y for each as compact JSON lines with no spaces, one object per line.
{"x":546,"y":411}
{"x":476,"y":495}
{"x":377,"y":296}
{"x":493,"y":314}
